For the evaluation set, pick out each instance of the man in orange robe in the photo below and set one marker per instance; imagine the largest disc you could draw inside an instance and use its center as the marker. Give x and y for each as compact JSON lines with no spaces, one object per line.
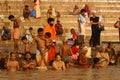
{"x":50,"y":28}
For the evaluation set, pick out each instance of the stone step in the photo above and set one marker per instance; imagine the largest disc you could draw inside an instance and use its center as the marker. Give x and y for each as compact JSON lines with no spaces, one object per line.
{"x":68,"y":21}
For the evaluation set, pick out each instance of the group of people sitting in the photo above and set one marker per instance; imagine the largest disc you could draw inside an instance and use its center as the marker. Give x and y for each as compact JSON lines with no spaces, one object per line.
{"x":51,"y":13}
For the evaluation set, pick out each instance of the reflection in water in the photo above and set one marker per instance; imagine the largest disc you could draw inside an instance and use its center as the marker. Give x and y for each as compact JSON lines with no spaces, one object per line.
{"x":110,"y":73}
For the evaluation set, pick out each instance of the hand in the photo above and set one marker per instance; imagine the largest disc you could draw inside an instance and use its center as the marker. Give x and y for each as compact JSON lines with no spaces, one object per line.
{"x":99,"y":23}
{"x":31,"y":63}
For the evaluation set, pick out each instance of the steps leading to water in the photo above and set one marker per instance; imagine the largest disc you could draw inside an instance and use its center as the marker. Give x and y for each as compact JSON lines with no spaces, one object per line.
{"x":110,"y":11}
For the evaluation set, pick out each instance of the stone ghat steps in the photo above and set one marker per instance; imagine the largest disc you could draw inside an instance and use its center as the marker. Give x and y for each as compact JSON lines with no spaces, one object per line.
{"x":110,"y":33}
{"x":111,"y":17}
{"x":68,"y":21}
{"x":64,"y":7}
{"x":65,"y":22}
{"x":72,"y":18}
{"x":82,"y":0}
{"x":105,"y":35}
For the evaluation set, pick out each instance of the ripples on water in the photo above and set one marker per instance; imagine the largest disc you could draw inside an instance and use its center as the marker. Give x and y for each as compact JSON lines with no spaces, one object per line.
{"x":110,"y":73}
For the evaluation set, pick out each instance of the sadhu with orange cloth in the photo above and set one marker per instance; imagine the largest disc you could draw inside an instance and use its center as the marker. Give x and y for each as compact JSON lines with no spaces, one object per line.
{"x":51,"y":29}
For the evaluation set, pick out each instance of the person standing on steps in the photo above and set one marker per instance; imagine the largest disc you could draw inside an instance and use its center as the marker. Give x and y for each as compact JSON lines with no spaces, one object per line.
{"x":37,"y":8}
{"x":81,"y":26}
{"x":95,"y":37}
{"x":15,"y":33}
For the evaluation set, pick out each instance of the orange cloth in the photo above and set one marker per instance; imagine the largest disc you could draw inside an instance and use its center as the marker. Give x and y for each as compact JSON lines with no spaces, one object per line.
{"x":51,"y":53}
{"x":15,"y":33}
{"x":50,"y":29}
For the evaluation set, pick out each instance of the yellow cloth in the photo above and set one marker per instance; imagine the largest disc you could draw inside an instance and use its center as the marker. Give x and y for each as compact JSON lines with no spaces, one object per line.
{"x":88,"y":55}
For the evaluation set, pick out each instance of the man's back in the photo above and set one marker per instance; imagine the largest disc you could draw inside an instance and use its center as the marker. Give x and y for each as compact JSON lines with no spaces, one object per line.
{"x":65,"y":50}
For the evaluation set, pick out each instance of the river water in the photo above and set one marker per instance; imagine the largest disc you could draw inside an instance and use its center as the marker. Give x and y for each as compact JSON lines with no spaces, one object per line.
{"x":109,"y":73}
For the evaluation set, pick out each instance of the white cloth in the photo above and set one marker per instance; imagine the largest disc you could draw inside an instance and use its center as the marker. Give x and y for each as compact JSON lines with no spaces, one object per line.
{"x":29,"y":36}
{"x":100,"y":18}
{"x":2,"y":32}
{"x":53,"y":12}
{"x":82,"y":22}
{"x":68,"y":36}
{"x":38,"y":52}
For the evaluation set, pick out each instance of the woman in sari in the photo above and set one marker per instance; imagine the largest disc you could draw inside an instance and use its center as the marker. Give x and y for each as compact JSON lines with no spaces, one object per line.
{"x":103,"y":56}
{"x":83,"y":61}
{"x":37,"y":8}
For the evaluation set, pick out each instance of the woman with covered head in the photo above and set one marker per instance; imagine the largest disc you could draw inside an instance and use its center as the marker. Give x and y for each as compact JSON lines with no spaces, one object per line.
{"x":112,"y":53}
{"x":83,"y":61}
{"x":103,"y":57}
{"x":76,"y":10}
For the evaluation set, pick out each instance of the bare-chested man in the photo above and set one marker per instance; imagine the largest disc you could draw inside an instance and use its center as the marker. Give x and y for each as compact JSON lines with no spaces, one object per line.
{"x":58,"y":64}
{"x":12,"y":64}
{"x":28,"y":63}
{"x":41,"y":53}
{"x":15,"y":33}
{"x":65,"y":52}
